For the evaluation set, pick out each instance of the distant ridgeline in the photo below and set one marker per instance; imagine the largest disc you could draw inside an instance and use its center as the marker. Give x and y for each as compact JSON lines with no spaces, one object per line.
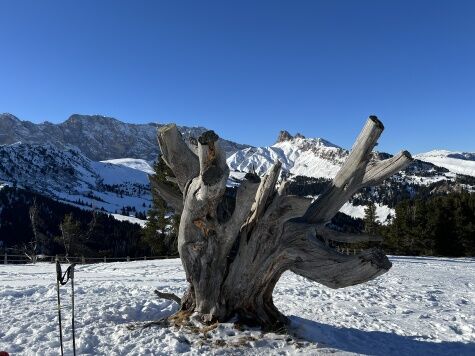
{"x":109,"y":237}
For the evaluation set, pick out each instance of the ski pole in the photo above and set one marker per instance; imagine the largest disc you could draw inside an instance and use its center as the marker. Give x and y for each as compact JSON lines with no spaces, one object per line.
{"x":72,"y":306}
{"x":58,"y":279}
{"x":62,"y":279}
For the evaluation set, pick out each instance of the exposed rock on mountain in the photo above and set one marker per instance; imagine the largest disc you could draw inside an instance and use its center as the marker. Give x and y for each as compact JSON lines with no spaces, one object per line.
{"x":98,"y":137}
{"x":60,"y":161}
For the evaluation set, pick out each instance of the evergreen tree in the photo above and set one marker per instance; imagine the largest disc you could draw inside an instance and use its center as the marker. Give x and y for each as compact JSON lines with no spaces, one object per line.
{"x":435,"y":226}
{"x":370,"y":222}
{"x":159,"y":232}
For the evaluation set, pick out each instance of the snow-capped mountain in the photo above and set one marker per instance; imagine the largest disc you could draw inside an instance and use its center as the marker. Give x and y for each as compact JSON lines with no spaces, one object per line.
{"x":98,"y":137}
{"x":457,"y":162}
{"x":69,"y":176}
{"x":312,"y":157}
{"x":59,"y":168}
{"x":438,"y":171}
{"x":319,"y":158}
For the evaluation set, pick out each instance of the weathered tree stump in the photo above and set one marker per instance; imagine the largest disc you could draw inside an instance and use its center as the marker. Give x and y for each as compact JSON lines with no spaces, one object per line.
{"x":234,"y":253}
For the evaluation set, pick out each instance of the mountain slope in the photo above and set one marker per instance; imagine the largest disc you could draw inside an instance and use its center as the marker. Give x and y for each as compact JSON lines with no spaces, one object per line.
{"x":299,"y":156}
{"x":457,"y":162}
{"x":98,"y":137}
{"x":319,"y":160}
{"x":67,"y":175}
{"x":133,"y":163}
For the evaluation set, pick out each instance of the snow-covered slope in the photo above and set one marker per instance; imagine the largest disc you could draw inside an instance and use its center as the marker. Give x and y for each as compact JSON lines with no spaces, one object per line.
{"x":314,"y":157}
{"x":422,"y":306}
{"x":134,"y":163}
{"x":318,"y":158}
{"x":67,"y":175}
{"x":457,"y":162}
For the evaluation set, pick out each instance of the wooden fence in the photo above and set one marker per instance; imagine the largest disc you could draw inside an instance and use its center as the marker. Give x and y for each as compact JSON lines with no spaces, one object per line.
{"x":23,"y":259}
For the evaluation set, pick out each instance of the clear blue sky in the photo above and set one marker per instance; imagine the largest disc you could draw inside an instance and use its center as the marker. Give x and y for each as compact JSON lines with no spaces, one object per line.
{"x":248,"y":68}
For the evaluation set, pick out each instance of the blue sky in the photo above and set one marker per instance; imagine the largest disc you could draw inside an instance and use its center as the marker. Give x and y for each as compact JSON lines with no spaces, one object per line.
{"x":248,"y":68}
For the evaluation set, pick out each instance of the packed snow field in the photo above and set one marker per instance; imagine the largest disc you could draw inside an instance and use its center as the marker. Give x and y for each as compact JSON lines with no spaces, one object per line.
{"x":422,"y":306}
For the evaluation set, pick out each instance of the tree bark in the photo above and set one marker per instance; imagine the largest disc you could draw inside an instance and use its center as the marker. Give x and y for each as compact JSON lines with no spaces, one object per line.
{"x":233,"y":258}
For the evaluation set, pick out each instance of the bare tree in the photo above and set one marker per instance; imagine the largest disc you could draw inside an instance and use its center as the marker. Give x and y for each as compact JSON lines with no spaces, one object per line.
{"x":30,"y":249}
{"x":72,"y":236}
{"x":234,"y":253}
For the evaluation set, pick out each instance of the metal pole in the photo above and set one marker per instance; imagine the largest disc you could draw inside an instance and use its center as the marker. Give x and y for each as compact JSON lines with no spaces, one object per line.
{"x":72,"y":308}
{"x":5,"y":259}
{"x":58,"y":278}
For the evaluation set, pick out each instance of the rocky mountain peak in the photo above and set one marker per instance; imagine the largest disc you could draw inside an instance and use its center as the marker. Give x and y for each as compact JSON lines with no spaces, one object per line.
{"x":284,"y":136}
{"x":98,"y":137}
{"x":97,"y":119}
{"x":8,"y":116}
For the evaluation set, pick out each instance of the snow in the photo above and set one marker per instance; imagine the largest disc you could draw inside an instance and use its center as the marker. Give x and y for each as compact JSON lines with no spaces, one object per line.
{"x":69,"y":176}
{"x":423,"y":306}
{"x":357,"y":211}
{"x":4,"y":184}
{"x":312,"y":157}
{"x":134,"y":163}
{"x":130,"y":219}
{"x":446,"y":159}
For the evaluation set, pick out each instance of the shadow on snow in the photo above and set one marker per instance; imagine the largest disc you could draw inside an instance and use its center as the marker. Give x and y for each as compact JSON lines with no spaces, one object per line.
{"x":374,"y":342}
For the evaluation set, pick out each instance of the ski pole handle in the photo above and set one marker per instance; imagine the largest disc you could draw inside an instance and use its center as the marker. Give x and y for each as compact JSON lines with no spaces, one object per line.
{"x":71,"y":270}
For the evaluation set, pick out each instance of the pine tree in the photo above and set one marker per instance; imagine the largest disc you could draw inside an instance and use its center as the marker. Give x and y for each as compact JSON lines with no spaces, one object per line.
{"x":370,"y":222}
{"x":159,"y":233}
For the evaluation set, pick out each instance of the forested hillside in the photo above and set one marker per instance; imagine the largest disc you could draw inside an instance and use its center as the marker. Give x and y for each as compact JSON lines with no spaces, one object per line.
{"x":441,"y":225}
{"x":92,"y":234}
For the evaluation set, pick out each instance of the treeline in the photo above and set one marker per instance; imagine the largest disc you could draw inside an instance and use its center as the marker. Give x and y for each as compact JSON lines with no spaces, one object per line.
{"x":30,"y":222}
{"x":436,"y":226}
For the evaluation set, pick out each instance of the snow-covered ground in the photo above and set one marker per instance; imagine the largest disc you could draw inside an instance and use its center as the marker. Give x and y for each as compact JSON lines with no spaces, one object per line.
{"x":457,"y":162}
{"x":130,"y":219}
{"x":357,"y":211}
{"x":423,"y":306}
{"x":134,"y":163}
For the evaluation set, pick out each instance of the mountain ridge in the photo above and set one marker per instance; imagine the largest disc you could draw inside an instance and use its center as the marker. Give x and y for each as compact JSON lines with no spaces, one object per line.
{"x":60,"y":169}
{"x":98,"y":137}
